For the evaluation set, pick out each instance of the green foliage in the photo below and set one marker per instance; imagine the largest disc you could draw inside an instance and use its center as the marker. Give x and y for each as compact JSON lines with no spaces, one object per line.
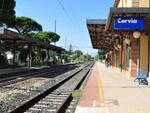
{"x":45,"y":36}
{"x":25,"y":25}
{"x":43,"y":55}
{"x":13,"y":95}
{"x":78,"y":56}
{"x":6,"y":45}
{"x":23,"y":54}
{"x":33,"y":87}
{"x":54,"y":37}
{"x":88,"y":57}
{"x":100,"y":55}
{"x":67,"y":52}
{"x":77,"y":93}
{"x":53,"y":54}
{"x":7,"y":12}
{"x":78,"y":53}
{"x":101,"y":52}
{"x":22,"y":64}
{"x":3,"y":60}
{"x":120,"y":66}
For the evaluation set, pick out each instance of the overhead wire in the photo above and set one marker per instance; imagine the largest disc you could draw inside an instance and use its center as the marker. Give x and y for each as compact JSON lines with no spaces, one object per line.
{"x":76,"y":26}
{"x":65,"y":11}
{"x":75,"y":18}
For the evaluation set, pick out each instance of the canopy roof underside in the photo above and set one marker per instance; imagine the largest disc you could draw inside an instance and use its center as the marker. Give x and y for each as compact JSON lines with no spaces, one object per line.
{"x":128,"y":12}
{"x":100,"y":38}
{"x":7,"y":35}
{"x":102,"y":32}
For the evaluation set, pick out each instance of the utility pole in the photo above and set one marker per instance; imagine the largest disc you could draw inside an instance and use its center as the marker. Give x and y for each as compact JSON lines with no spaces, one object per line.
{"x":65,"y":42}
{"x":55,"y":26}
{"x":55,"y":29}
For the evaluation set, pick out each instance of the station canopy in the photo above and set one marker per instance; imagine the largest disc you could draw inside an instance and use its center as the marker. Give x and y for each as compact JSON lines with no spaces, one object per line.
{"x":102,"y":32}
{"x":100,"y":38}
{"x":128,"y":12}
{"x":8,"y":35}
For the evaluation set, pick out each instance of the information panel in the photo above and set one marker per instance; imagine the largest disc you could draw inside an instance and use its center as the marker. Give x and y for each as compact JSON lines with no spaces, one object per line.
{"x":129,"y":23}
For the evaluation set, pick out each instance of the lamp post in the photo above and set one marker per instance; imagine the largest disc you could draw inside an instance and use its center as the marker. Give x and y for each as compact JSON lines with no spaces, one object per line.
{"x":137,"y":35}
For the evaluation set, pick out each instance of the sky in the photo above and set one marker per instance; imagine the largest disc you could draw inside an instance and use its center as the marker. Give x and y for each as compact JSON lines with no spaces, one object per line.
{"x":70,"y":16}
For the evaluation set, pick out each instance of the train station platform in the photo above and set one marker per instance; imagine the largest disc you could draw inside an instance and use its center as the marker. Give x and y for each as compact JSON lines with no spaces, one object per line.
{"x":109,"y":91}
{"x":21,"y":69}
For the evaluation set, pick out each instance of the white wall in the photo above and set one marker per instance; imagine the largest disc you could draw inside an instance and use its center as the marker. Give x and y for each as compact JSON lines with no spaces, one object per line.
{"x":125,"y":3}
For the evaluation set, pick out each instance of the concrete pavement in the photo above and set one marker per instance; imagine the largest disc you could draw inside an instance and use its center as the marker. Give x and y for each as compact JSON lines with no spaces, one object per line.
{"x":116,"y":93}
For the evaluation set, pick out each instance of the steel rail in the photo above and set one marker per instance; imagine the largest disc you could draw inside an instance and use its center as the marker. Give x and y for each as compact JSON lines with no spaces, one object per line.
{"x":65,"y":104}
{"x":34,"y":71}
{"x":26,"y":105}
{"x":27,"y":74}
{"x":13,"y":80}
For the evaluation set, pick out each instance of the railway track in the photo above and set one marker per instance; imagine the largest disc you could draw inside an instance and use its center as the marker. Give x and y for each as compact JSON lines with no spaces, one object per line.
{"x":55,"y":99}
{"x":44,"y":72}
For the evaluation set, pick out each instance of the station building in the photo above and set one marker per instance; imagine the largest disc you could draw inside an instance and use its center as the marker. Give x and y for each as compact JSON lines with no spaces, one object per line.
{"x":124,"y":35}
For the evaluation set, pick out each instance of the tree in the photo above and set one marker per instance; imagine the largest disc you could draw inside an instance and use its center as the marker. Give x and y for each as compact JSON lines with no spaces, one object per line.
{"x":46,"y":36}
{"x":101,"y":55}
{"x":23,"y":54}
{"x":88,"y":57}
{"x":101,"y":52}
{"x":26,"y":25}
{"x":7,"y":12}
{"x":43,"y":55}
{"x":54,"y":37}
{"x":78,"y":53}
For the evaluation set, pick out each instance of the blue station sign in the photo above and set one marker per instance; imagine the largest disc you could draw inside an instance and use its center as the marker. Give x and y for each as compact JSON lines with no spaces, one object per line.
{"x":129,"y":23}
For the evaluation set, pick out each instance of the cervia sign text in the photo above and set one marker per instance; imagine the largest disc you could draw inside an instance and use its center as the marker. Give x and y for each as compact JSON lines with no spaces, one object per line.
{"x":129,"y":23}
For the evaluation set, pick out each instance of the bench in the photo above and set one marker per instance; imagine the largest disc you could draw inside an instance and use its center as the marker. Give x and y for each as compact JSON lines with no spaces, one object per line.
{"x":141,"y":78}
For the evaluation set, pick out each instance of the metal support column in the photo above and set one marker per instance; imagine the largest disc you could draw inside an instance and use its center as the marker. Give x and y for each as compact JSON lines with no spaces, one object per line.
{"x":121,"y":54}
{"x":40,"y":56}
{"x":138,"y":55}
{"x":61,"y":57}
{"x":48,"y":56}
{"x":149,"y":54}
{"x":30,"y":56}
{"x":14,"y":53}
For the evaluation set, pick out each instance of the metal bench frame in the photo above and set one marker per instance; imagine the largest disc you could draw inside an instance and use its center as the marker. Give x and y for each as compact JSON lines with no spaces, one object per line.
{"x":141,"y":77}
